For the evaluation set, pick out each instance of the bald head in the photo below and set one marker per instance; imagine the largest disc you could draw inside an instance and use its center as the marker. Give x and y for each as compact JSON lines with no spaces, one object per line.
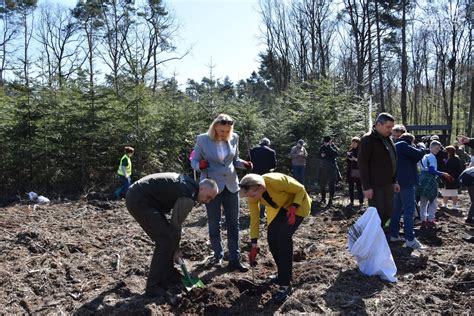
{"x":208,"y":190}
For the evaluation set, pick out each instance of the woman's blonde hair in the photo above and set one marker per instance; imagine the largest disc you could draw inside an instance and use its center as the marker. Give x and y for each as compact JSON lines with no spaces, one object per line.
{"x":220,"y":119}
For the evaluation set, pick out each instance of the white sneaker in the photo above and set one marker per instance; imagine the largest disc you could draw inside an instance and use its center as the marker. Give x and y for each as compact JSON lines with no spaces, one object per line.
{"x":395,"y":239}
{"x":414,"y":244}
{"x":455,"y":207}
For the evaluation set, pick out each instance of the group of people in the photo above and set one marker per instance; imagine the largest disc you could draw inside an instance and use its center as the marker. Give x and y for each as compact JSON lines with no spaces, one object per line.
{"x":396,"y":173}
{"x":385,"y":173}
{"x":160,"y":203}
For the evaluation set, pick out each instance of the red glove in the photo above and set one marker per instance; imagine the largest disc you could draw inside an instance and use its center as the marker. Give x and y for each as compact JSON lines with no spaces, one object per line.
{"x":203,"y":164}
{"x":248,"y":165}
{"x":290,"y":214}
{"x":448,"y":177}
{"x":253,"y":254}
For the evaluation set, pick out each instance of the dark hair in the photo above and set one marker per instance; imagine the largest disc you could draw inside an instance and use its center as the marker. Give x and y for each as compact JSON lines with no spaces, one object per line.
{"x":327,"y":139}
{"x":407,"y":137}
{"x":129,"y":150}
{"x":450,"y":150}
{"x":399,"y":128}
{"x":383,"y":117}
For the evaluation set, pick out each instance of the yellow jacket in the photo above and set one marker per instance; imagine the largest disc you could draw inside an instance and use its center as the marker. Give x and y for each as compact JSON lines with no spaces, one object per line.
{"x":284,"y":191}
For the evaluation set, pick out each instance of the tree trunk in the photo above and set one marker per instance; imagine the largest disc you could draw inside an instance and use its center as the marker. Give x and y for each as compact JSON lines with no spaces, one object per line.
{"x":379,"y":58}
{"x":452,"y":66}
{"x":403,"y":97}
{"x":369,"y":48}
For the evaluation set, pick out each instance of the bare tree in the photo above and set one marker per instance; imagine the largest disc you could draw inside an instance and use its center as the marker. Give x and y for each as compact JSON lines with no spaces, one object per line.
{"x":357,"y":11}
{"x":9,"y":31}
{"x":277,"y":38}
{"x":58,"y":34}
{"x":88,"y":14}
{"x":114,"y":16}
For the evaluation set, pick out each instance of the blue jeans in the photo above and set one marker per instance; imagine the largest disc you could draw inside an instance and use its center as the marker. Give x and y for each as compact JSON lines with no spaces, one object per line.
{"x":124,"y":188}
{"x":403,"y":203}
{"x":230,"y":202}
{"x":298,"y":173}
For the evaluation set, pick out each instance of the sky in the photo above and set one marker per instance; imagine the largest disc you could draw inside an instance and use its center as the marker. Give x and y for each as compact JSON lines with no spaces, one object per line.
{"x":224,"y":33}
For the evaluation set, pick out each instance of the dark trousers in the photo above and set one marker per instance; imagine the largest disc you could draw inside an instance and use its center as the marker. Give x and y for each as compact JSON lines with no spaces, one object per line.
{"x":231,"y":203}
{"x":470,"y":190}
{"x":298,"y":173}
{"x":327,"y":178}
{"x":125,"y":184}
{"x":156,"y":226}
{"x":280,"y":242}
{"x":331,"y":191}
{"x":383,"y":202}
{"x":360,"y":194}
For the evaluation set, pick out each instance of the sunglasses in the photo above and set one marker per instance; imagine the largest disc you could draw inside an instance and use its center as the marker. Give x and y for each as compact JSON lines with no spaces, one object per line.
{"x":226,"y":122}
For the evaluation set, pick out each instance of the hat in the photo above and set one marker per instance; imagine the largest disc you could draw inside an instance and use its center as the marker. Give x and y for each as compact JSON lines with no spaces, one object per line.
{"x":265,"y":141}
{"x":301,"y":142}
{"x":434,"y":137}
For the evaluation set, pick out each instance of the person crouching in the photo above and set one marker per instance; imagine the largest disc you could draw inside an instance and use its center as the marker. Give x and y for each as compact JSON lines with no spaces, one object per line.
{"x":287,"y":204}
{"x":148,"y":201}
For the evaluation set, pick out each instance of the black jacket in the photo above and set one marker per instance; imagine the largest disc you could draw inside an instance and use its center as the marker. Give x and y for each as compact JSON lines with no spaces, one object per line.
{"x":263,"y":159}
{"x":328,"y":152}
{"x":454,"y":166}
{"x":161,"y":190}
{"x":377,"y":160}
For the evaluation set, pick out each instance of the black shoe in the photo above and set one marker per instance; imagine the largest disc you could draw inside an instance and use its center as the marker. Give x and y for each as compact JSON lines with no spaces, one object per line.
{"x":175,"y":277}
{"x":236,"y":266}
{"x":215,"y":262}
{"x":272,"y":279}
{"x":469,"y":239}
{"x":469,"y":221}
{"x":155,"y":291}
{"x":281,"y":294}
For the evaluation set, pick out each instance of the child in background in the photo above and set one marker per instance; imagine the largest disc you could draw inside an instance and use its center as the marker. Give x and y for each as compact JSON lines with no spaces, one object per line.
{"x":428,"y":187}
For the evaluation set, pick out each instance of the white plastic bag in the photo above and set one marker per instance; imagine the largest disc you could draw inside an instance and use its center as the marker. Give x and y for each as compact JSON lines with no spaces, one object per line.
{"x":38,"y":199}
{"x":367,"y":243}
{"x":32,"y":195}
{"x":43,"y":199}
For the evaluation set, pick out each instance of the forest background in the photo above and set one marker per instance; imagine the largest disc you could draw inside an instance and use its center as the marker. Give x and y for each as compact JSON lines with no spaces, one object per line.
{"x":63,"y":128}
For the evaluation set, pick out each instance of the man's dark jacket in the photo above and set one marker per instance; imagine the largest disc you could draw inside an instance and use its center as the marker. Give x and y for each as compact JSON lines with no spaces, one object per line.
{"x":263,"y":159}
{"x":377,"y":160}
{"x":161,"y":190}
{"x":407,"y":158}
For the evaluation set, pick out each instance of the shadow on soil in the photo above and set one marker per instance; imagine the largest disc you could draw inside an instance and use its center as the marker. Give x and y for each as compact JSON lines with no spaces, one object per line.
{"x":349,"y":289}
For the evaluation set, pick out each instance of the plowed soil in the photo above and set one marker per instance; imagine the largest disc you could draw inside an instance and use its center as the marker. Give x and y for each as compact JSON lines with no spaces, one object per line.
{"x":90,"y":257}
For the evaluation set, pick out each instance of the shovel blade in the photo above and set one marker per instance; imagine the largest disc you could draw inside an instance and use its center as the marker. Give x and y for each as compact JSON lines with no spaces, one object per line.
{"x":192,"y":282}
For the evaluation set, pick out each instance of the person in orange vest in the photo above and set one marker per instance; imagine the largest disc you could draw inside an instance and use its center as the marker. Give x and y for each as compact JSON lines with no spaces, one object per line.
{"x":125,"y":172}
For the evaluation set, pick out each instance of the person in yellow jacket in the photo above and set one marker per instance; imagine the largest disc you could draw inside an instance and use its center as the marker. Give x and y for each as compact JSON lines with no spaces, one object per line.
{"x":125,"y":172}
{"x":287,"y":203}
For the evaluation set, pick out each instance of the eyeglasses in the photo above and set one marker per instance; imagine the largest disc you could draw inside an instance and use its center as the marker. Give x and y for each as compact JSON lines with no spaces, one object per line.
{"x":226,"y":122}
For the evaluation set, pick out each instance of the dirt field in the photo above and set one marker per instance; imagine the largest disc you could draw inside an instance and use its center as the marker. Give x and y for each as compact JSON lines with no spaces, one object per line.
{"x":90,"y":257}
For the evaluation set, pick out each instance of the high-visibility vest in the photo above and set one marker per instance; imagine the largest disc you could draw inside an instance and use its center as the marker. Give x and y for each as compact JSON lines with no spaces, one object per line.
{"x":128,"y":168}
